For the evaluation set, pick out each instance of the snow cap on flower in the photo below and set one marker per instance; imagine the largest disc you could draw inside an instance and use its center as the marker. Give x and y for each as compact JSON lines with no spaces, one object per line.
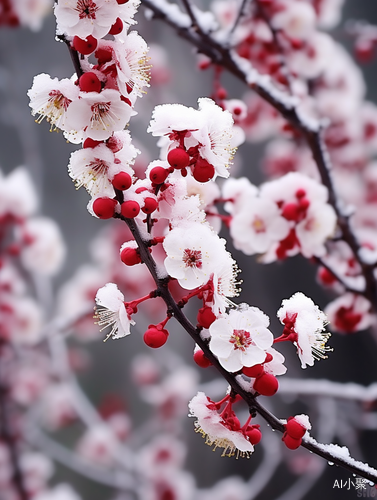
{"x":305,"y":324}
{"x":193,"y":254}
{"x":111,"y":311}
{"x":86,"y":17}
{"x":51,"y":98}
{"x":240,"y":338}
{"x":211,"y":425}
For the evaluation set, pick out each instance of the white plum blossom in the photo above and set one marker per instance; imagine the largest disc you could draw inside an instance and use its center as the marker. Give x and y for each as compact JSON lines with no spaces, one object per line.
{"x":212,"y":426}
{"x":305,"y":325}
{"x":237,"y":192}
{"x":86,"y":17}
{"x":128,"y":64}
{"x":94,"y":168}
{"x":44,"y":250}
{"x":276,"y":365}
{"x":257,"y":226}
{"x":16,"y":182}
{"x":98,"y":115}
{"x":350,"y":313}
{"x":240,"y":338}
{"x":98,"y":445}
{"x":193,"y":254}
{"x":297,"y":19}
{"x":111,"y":311}
{"x":50,"y":98}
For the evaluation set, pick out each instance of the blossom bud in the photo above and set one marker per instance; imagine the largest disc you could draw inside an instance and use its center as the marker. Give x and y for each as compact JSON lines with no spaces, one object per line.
{"x":117,"y":27}
{"x":178,"y":158}
{"x":122,"y":181}
{"x":104,"y":207}
{"x":254,"y":434}
{"x":290,"y":442}
{"x":201,"y":360}
{"x":266,"y":384}
{"x":89,"y":82}
{"x":203,"y":171}
{"x":205,"y":317}
{"x":130,"y":209}
{"x":130,"y":256}
{"x":150,"y":205}
{"x":291,"y":211}
{"x":155,"y":337}
{"x":294,"y":428}
{"x":158,"y":175}
{"x":86,"y":46}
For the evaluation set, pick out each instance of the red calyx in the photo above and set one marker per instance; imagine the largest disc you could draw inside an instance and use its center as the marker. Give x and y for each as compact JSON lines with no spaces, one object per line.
{"x":117,"y":27}
{"x":290,"y":442}
{"x":205,"y":317}
{"x":291,"y":211}
{"x":104,"y":207}
{"x":266,"y":384}
{"x":122,"y":2}
{"x":203,"y":171}
{"x":201,"y":360}
{"x":294,"y":428}
{"x":253,"y":371}
{"x":326,"y":276}
{"x":130,"y":209}
{"x":86,"y":46}
{"x":178,"y":158}
{"x":122,"y":181}
{"x":158,"y":175}
{"x":89,"y":82}
{"x":150,"y":205}
{"x":90,"y":143}
{"x":130,"y":256}
{"x":103,"y":55}
{"x":155,"y":337}
{"x":346,"y":320}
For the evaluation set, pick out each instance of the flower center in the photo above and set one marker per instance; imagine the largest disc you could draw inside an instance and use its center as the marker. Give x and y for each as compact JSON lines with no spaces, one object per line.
{"x":241,"y":340}
{"x":258,"y":225}
{"x":98,"y":167}
{"x":99,"y":112}
{"x":58,"y":100}
{"x":192,"y":258}
{"x":86,"y":8}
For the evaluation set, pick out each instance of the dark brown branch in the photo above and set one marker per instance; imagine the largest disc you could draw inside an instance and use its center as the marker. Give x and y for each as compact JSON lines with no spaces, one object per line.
{"x":250,"y":399}
{"x":222,"y":56}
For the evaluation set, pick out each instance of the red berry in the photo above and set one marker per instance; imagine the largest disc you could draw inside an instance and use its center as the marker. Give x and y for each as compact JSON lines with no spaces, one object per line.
{"x":158,"y":175}
{"x":117,"y":27}
{"x":178,"y":158}
{"x":291,"y":442}
{"x":103,"y":55}
{"x":155,"y":337}
{"x":89,"y":82}
{"x":203,"y":171}
{"x":130,"y":209}
{"x":266,"y":384}
{"x":130,"y":256}
{"x":90,"y":143}
{"x":150,"y":205}
{"x":122,"y":181}
{"x":300,"y":193}
{"x":86,"y":46}
{"x":253,"y":371}
{"x":201,"y":360}
{"x":254,"y":434}
{"x":205,"y":317}
{"x":121,"y":2}
{"x":294,"y":428}
{"x":104,"y":207}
